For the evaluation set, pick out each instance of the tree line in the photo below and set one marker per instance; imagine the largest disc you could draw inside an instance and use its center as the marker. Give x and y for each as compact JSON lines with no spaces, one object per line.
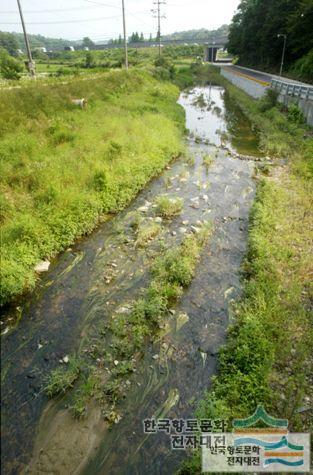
{"x":254,"y":31}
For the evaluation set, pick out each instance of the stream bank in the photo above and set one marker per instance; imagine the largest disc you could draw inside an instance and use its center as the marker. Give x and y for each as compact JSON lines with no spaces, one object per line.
{"x":107,"y":271}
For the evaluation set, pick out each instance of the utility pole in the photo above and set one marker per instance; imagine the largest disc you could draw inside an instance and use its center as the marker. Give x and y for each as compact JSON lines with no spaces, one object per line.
{"x":158,"y":3}
{"x":284,"y":50}
{"x":31,"y":65}
{"x":125,"y":36}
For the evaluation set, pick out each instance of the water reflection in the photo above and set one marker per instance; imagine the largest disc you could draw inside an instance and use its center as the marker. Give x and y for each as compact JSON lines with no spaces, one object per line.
{"x":213,"y":116}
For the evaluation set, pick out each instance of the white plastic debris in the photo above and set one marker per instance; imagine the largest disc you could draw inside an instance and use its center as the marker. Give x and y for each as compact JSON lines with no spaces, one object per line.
{"x":42,"y":266}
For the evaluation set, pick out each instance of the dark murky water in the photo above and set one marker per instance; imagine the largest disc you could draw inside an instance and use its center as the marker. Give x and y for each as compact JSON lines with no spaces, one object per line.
{"x":86,"y":284}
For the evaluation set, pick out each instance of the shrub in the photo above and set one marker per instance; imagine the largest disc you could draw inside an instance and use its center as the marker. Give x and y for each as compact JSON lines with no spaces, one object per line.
{"x":61,"y":133}
{"x":100,"y":181}
{"x":10,"y":68}
{"x":295,"y":115}
{"x":303,"y":68}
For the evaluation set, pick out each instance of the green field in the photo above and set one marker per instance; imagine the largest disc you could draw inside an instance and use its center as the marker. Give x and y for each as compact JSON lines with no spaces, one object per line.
{"x":64,"y":168}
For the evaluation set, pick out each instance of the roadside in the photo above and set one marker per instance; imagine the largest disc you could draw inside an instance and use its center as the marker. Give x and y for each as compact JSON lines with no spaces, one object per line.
{"x":262,"y":75}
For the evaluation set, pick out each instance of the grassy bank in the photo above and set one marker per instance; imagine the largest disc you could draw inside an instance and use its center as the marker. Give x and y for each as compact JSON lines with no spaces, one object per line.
{"x":267,"y":358}
{"x":64,"y":168}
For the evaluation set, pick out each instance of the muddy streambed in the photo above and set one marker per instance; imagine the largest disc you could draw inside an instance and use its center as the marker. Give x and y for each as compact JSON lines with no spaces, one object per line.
{"x":103,"y":274}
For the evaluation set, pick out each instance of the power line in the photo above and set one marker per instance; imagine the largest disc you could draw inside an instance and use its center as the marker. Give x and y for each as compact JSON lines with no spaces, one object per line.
{"x":158,"y":3}
{"x":50,"y":11}
{"x":101,"y":4}
{"x":86,"y":20}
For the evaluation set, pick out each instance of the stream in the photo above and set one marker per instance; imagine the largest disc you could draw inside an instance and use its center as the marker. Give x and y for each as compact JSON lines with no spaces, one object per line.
{"x":106,"y":271}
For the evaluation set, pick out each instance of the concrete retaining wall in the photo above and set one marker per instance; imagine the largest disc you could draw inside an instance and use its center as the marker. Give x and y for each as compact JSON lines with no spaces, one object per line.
{"x":257,"y":89}
{"x":299,"y":94}
{"x":252,"y":87}
{"x":305,"y":106}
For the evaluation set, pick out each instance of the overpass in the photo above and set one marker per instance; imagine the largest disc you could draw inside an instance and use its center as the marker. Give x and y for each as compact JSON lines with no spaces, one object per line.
{"x":215,"y":42}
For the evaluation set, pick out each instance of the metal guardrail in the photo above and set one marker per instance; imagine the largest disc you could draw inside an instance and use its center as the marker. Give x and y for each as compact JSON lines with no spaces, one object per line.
{"x":291,"y":89}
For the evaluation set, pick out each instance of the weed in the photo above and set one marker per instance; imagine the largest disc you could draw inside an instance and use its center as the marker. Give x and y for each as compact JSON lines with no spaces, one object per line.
{"x":82,"y":396}
{"x":99,"y":180}
{"x":135,"y":220}
{"x":114,"y":150}
{"x":62,"y":379}
{"x":168,"y":207}
{"x":269,"y":100}
{"x":207,"y":160}
{"x":63,"y":169}
{"x":147,"y":233}
{"x":295,"y":115}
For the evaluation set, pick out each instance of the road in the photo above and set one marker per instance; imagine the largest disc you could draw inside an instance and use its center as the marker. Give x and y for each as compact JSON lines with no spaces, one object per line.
{"x":258,"y":75}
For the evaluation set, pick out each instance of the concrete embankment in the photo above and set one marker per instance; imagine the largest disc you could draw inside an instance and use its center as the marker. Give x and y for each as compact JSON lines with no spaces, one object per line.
{"x":256,"y":84}
{"x":251,"y":85}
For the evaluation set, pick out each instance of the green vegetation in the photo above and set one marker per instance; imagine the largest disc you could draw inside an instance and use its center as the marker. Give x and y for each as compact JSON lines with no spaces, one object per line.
{"x":63,"y":167}
{"x":267,"y":358}
{"x":10,"y":68}
{"x":168,"y":207}
{"x":16,"y":41}
{"x":207,"y":160}
{"x":128,"y":331}
{"x":201,"y":34}
{"x":254,"y":29}
{"x":63,"y":378}
{"x":64,"y":63}
{"x":147,"y":232}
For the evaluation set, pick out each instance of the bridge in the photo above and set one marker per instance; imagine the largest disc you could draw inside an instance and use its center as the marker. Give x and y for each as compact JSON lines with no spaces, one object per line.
{"x":215,"y":43}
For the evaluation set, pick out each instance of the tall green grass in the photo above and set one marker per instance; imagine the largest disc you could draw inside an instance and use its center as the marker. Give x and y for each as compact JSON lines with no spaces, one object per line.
{"x":63,"y":167}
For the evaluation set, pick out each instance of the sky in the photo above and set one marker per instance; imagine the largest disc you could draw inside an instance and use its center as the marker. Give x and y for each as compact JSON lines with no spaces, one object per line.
{"x":102,"y":19}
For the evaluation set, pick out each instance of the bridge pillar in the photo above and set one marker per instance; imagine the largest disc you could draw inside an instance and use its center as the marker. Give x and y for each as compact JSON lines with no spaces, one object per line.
{"x":210,"y":54}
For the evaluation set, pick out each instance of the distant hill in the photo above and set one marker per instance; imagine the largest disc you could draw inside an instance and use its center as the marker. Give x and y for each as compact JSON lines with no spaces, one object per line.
{"x":39,"y":40}
{"x":202,"y":34}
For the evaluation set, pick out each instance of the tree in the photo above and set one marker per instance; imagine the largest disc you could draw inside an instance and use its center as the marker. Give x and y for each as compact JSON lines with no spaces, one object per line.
{"x":9,"y":43}
{"x":134,"y":38}
{"x":90,"y":60}
{"x":10,"y":68}
{"x":87,"y":42}
{"x":256,"y":24}
{"x":120,"y":40}
{"x":142,"y":38}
